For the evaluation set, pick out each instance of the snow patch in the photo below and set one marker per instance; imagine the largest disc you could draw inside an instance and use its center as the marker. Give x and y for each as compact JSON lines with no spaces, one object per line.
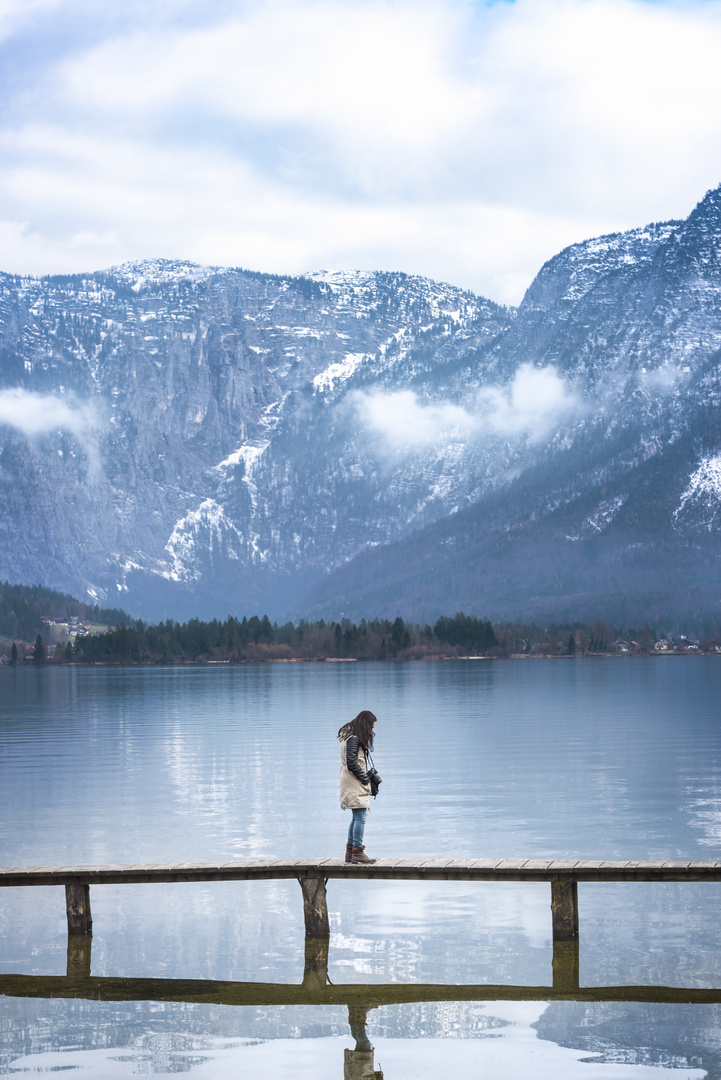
{"x":247,"y":454}
{"x":250,"y":454}
{"x":339,"y":371}
{"x":196,"y":537}
{"x":702,"y":495}
{"x":145,"y":272}
{"x":343,"y":279}
{"x":600,"y":519}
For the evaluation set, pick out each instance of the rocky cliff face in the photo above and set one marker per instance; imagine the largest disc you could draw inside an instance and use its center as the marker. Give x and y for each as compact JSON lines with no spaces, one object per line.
{"x":190,"y":440}
{"x":173,"y":437}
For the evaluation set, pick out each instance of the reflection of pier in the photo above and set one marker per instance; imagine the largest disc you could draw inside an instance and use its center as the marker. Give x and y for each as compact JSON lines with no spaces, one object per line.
{"x":316,"y":989}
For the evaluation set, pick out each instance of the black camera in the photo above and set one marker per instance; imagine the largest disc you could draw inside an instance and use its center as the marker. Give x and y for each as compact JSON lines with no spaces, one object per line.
{"x":375,"y":780}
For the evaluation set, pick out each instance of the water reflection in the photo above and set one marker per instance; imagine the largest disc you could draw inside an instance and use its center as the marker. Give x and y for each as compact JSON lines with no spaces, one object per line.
{"x":466,"y":1040}
{"x":608,"y":759}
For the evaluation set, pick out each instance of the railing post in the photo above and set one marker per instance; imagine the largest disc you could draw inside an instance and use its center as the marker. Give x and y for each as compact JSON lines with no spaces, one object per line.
{"x":564,"y":909}
{"x":77,"y":902}
{"x":315,"y":908}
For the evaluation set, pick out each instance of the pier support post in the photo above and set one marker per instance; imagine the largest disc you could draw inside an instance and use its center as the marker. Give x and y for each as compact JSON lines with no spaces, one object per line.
{"x":79,"y":949}
{"x":77,"y":902}
{"x":315,"y":908}
{"x":564,"y":909}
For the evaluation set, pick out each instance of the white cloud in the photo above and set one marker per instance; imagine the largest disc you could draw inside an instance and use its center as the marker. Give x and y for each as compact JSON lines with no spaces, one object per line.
{"x":536,"y":402}
{"x":467,"y":142}
{"x":533,"y":405}
{"x":664,"y":379}
{"x":14,"y":14}
{"x":89,"y":241}
{"x":403,"y":422}
{"x":35,"y":415}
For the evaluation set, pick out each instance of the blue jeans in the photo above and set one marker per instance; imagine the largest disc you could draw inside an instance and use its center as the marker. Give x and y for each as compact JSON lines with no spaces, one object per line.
{"x":357,"y":825}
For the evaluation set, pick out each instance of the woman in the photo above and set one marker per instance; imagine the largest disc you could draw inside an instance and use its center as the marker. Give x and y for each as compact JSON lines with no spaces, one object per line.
{"x":356,"y":739}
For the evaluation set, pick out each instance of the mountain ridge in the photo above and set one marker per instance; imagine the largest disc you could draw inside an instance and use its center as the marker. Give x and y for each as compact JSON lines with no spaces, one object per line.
{"x":190,"y":440}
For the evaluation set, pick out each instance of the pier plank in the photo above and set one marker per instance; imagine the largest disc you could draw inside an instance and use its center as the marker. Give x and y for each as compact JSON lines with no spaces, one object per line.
{"x":407,"y":868}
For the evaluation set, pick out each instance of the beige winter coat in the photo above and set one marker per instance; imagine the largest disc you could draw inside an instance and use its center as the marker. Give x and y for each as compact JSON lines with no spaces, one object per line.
{"x":353,"y":794}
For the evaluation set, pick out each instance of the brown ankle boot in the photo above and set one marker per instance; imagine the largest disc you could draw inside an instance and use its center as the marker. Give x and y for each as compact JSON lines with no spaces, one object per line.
{"x":348,"y":852}
{"x":358,"y":856}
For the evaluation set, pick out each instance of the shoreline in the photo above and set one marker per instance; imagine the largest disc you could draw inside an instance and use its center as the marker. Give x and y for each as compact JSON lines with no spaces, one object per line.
{"x":347,"y":660}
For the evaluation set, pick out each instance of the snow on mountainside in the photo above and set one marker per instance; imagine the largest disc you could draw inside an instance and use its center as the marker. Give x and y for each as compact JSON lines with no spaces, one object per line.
{"x":149,"y":272}
{"x":205,"y":439}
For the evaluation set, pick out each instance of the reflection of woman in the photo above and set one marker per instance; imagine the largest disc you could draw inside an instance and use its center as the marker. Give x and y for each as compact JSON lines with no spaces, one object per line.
{"x":358,"y":1064}
{"x":356,"y":739}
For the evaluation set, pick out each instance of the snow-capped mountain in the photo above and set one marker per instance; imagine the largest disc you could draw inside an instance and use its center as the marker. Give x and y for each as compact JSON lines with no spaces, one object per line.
{"x":193,"y":440}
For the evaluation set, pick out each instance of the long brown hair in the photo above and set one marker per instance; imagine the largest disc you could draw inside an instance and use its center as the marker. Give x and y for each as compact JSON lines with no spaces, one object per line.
{"x":362,"y":727}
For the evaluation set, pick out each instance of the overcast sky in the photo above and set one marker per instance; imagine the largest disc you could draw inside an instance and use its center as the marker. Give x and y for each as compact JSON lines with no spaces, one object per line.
{"x":467,"y":141}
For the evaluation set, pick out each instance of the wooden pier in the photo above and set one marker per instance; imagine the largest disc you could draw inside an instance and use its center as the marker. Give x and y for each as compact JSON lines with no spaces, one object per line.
{"x":313,"y":875}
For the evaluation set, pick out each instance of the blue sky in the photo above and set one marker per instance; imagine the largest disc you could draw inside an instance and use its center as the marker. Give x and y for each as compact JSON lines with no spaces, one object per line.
{"x":465,"y":141}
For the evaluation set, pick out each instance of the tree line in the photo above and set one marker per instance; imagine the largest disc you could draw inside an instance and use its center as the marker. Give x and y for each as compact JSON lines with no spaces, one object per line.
{"x":255,"y":638}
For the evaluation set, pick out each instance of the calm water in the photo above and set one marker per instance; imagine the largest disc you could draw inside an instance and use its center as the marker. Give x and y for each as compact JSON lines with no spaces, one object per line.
{"x":616,"y":759}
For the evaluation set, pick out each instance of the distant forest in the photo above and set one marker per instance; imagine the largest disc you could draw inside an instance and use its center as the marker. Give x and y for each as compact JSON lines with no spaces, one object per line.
{"x":127,"y":641}
{"x":258,"y":639}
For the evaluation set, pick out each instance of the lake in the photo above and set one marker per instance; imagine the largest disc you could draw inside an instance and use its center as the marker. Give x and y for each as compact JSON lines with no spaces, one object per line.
{"x":588,"y":758}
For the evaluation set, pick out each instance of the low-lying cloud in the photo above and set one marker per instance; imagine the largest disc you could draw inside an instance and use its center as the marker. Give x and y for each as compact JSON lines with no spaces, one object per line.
{"x":533,"y":405}
{"x":35,"y":415}
{"x":402,"y":421}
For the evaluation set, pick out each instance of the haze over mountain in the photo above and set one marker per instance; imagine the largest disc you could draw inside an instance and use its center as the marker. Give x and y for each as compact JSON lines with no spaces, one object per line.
{"x":186,"y":440}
